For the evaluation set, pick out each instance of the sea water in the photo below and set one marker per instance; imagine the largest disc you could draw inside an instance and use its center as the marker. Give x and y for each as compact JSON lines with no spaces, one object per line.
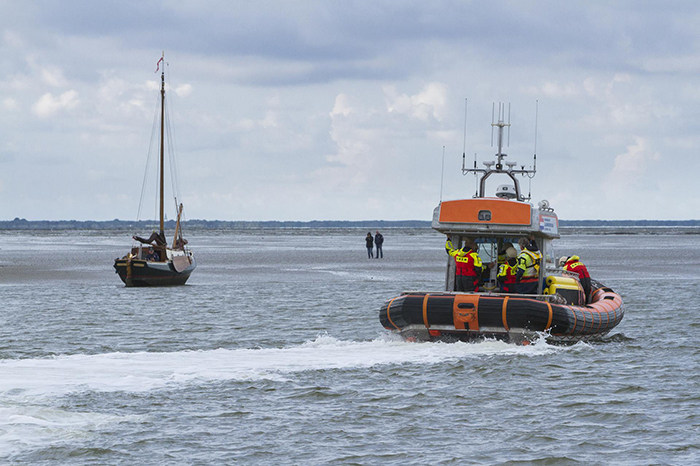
{"x":273,"y":354}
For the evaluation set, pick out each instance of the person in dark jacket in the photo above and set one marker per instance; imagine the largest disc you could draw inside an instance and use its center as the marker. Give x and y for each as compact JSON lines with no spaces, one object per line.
{"x":370,"y":244}
{"x":378,"y":241}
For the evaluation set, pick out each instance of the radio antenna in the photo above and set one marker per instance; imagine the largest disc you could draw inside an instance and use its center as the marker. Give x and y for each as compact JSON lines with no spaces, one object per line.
{"x":493,"y":112}
{"x":537,"y":111}
{"x":476,"y":178}
{"x":464,"y":147}
{"x":508,"y":124}
{"x":442,"y":174}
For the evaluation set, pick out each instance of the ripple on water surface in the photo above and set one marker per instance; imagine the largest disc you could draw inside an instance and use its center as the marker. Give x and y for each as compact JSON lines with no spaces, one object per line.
{"x":273,"y":353}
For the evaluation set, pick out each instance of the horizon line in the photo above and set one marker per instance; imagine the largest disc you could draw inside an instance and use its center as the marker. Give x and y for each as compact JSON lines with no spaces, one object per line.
{"x":24,"y":220}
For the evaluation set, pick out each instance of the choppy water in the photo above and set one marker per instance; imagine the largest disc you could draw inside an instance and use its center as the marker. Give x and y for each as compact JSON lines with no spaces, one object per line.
{"x":273,"y":354}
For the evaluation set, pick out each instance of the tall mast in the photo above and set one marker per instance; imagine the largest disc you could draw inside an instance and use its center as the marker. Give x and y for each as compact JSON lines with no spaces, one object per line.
{"x":498,"y":121}
{"x":162,"y":145}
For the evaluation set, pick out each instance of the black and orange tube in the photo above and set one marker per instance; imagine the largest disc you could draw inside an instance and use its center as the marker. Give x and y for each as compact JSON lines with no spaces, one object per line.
{"x":476,"y":313}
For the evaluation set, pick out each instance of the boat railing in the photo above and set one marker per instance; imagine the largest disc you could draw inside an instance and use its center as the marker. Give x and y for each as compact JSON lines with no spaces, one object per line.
{"x":542,"y":297}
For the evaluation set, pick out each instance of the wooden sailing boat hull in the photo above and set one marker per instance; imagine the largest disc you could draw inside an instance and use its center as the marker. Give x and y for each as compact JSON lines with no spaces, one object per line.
{"x":146,"y":273}
{"x":518,"y":318}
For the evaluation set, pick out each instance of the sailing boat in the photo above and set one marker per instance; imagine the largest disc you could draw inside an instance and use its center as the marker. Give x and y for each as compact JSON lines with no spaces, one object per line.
{"x":152,"y":262}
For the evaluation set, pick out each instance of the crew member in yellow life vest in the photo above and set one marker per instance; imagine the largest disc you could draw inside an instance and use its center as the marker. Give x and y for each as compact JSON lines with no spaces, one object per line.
{"x":507,"y":270}
{"x":528,"y":271}
{"x":468,"y":265}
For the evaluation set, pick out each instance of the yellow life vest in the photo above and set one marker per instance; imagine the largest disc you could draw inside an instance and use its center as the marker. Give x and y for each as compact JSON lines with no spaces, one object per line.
{"x":464,"y":257}
{"x":451,"y":250}
{"x":572,"y":265}
{"x":506,"y":270}
{"x":529,"y":262}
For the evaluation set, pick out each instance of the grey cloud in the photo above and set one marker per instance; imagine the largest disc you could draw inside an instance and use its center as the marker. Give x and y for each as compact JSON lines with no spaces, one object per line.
{"x":373,"y":40}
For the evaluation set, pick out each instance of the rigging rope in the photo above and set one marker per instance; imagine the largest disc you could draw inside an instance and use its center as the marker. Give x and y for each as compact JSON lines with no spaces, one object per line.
{"x":172,"y":152}
{"x":148,"y":162}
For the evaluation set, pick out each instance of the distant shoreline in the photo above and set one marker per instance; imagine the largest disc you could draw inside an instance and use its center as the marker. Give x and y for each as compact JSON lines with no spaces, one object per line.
{"x":23,"y":224}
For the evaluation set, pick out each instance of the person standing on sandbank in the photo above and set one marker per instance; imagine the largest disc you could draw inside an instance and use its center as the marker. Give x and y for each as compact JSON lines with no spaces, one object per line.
{"x":370,"y":245}
{"x":378,"y":241}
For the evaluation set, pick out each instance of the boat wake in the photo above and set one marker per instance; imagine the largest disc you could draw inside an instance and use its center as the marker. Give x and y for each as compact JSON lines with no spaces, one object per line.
{"x":145,"y":371}
{"x":29,"y":387}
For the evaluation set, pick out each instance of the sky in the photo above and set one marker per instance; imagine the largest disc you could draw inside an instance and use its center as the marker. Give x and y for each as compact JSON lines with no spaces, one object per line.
{"x":329,"y":110}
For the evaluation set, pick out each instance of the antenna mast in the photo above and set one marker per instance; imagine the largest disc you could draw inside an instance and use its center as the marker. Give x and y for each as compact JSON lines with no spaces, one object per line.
{"x":442,"y":173}
{"x":507,"y":168}
{"x":464,"y":146}
{"x":537,"y":112}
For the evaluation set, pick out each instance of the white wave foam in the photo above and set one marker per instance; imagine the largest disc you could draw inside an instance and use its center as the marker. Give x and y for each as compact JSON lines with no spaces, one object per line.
{"x":143,"y":371}
{"x":26,"y":384}
{"x":26,"y":426}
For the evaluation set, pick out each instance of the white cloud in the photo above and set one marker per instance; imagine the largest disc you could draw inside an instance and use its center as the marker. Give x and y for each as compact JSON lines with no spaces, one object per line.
{"x":19,"y":82}
{"x":53,"y":77}
{"x":48,"y":105}
{"x":341,"y":107}
{"x":632,"y":164}
{"x":378,"y":149}
{"x":9,"y":103}
{"x":429,"y":102}
{"x":246,"y":125}
{"x":669,"y":64}
{"x":12,"y":39}
{"x":270,"y":120}
{"x":184,"y":90}
{"x":604,"y":89}
{"x":112,"y":89}
{"x":556,"y":90}
{"x":357,"y":141}
{"x":119,"y":101}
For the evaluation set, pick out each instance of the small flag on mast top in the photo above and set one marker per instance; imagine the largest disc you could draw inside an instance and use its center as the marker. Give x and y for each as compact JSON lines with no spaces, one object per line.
{"x":158,"y":65}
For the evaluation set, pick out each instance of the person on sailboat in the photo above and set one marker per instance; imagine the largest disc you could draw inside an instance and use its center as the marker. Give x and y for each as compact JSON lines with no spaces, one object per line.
{"x":179,"y":243}
{"x":152,"y":255}
{"x":158,"y":237}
